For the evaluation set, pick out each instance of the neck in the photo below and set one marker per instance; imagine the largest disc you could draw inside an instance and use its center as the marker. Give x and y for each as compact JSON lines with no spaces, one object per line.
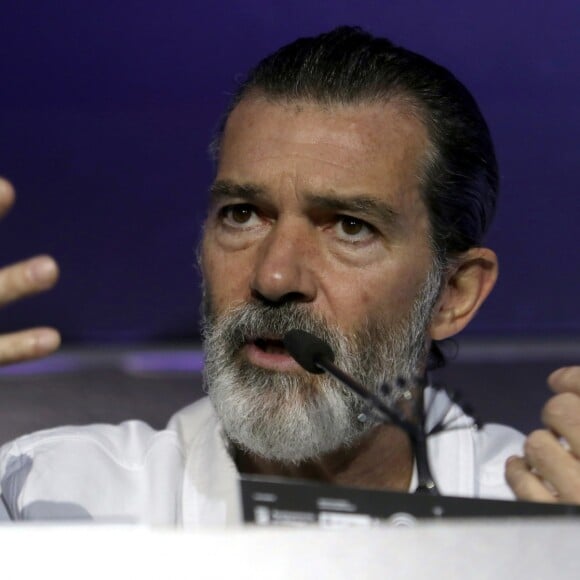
{"x":382,"y":459}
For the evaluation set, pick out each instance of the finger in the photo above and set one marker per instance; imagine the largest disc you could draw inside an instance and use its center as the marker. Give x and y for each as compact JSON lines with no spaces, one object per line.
{"x":525,"y":484}
{"x":562,"y":415}
{"x":28,"y":344}
{"x":566,"y":379}
{"x":553,"y":463}
{"x":7,"y":196}
{"x":25,"y":278}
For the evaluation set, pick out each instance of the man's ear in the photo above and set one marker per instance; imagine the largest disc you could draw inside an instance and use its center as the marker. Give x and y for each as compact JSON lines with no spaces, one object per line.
{"x":468,"y":283}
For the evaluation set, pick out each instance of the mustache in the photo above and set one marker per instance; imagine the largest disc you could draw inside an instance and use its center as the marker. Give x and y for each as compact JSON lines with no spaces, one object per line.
{"x":249,"y":321}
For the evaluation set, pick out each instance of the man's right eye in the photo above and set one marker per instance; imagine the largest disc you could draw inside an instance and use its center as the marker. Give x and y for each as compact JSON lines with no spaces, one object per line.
{"x":241,"y":214}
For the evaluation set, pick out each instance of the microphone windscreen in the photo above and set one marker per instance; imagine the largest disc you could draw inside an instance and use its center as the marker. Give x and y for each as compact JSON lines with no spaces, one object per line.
{"x":307,"y":349}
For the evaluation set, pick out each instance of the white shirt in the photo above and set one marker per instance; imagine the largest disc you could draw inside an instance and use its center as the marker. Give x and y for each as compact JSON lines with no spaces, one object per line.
{"x":184,"y":475}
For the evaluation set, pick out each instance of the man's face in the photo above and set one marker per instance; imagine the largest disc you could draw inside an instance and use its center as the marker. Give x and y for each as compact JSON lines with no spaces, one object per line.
{"x":317,"y":219}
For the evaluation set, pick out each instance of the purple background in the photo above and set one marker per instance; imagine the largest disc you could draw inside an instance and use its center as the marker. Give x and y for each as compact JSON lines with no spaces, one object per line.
{"x":106,"y":110}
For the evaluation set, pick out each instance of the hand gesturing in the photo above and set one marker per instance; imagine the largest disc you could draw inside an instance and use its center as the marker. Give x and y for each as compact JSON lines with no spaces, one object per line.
{"x":550,"y":468}
{"x":20,"y":280}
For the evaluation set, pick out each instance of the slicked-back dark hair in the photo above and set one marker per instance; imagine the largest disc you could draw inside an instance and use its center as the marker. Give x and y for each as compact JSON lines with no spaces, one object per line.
{"x":349,"y":66}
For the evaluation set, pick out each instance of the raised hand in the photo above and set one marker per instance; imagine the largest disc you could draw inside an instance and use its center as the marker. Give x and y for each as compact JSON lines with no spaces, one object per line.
{"x":18,"y":281}
{"x":550,"y":468}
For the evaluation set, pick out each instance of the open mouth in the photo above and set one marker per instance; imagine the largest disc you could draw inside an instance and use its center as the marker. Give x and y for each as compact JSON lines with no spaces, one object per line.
{"x":269,"y":352}
{"x":270,"y":345}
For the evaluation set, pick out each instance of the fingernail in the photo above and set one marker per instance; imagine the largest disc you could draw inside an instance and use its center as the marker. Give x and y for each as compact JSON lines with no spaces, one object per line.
{"x":42,"y":270}
{"x":47,"y":341}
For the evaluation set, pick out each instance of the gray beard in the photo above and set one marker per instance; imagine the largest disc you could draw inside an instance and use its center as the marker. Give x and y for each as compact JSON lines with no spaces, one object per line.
{"x":296,"y":416}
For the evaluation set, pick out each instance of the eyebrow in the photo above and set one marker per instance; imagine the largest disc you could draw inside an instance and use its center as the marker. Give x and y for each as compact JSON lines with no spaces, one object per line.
{"x":361,"y":204}
{"x":225,"y":189}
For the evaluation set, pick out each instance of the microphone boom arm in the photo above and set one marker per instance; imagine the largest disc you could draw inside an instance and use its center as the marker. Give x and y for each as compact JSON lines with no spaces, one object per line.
{"x":316,"y":356}
{"x":415,"y":431}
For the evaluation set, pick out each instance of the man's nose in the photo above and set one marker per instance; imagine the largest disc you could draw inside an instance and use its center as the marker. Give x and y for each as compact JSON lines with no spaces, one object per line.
{"x":284,"y":267}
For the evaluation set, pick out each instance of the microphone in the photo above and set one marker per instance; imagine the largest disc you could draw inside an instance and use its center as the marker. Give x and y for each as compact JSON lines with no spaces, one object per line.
{"x":308,"y":350}
{"x":316,"y":356}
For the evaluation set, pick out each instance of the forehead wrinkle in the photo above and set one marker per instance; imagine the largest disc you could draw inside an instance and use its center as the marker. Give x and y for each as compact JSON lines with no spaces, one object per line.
{"x":302,"y":153}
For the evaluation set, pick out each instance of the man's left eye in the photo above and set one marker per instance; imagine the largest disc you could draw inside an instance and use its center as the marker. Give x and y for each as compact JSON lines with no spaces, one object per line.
{"x":352,"y":229}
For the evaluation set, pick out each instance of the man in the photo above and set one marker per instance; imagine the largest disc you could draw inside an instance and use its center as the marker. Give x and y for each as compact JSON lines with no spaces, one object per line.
{"x":355,"y":181}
